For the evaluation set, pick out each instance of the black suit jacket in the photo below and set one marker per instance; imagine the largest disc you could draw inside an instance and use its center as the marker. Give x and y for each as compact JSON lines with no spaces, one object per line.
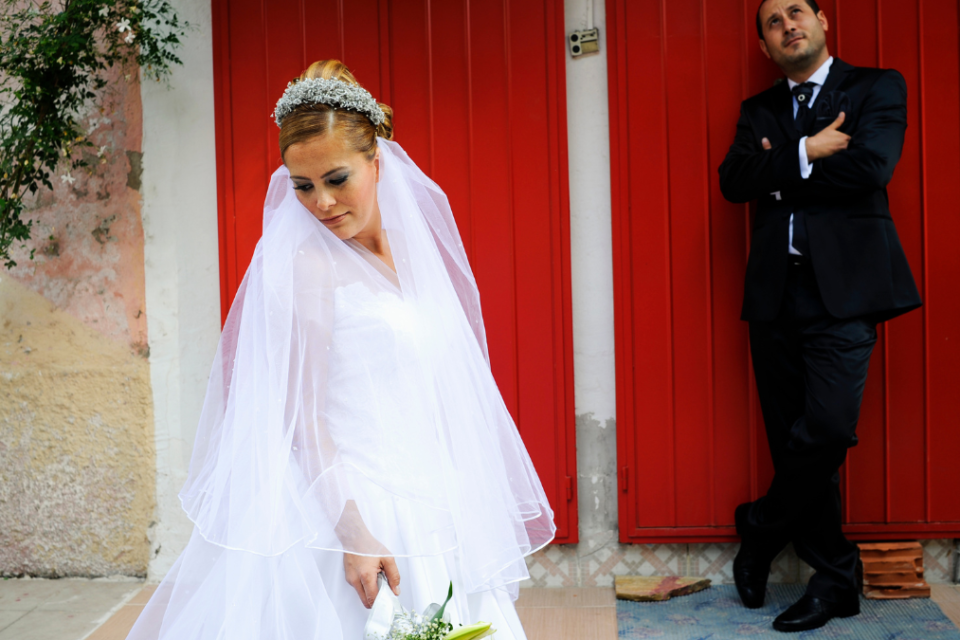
{"x":854,"y":248}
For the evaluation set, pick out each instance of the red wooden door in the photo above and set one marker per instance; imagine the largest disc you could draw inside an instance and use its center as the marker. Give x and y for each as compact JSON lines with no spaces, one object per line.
{"x":688,"y":418}
{"x":478,"y":92}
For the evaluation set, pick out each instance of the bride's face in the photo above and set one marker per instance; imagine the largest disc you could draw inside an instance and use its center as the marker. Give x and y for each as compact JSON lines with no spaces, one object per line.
{"x":337,"y":185}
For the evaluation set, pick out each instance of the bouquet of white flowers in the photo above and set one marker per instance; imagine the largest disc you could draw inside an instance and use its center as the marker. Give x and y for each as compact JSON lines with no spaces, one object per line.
{"x":390,"y":621}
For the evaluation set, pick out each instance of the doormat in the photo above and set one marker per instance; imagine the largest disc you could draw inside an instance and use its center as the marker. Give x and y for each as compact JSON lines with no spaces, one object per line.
{"x":716,"y":614}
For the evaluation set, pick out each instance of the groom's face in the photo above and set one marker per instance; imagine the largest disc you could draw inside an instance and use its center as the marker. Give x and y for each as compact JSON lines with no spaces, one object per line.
{"x":793,"y":35}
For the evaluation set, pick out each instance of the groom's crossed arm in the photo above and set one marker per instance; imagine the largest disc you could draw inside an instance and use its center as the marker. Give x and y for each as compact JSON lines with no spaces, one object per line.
{"x":750,"y":170}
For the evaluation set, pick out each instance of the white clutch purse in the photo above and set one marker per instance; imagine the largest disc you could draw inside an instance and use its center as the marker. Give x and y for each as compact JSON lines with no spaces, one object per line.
{"x":383,"y":613}
{"x":387,"y":612}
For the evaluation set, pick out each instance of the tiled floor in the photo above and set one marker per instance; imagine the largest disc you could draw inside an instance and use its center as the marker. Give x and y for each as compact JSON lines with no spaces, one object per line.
{"x":595,"y":564}
{"x":590,"y":613}
{"x":59,"y":609}
{"x":948,"y":597}
{"x":547,"y":614}
{"x":117,"y":627}
{"x":102,"y":610}
{"x":587,"y":613}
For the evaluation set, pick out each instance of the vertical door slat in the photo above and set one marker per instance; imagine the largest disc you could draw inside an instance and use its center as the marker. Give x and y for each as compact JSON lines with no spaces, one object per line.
{"x":689,"y":427}
{"x":476,"y":87}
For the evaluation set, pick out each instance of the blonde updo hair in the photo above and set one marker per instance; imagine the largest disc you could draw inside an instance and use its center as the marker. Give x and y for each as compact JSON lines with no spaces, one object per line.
{"x":311,"y":120}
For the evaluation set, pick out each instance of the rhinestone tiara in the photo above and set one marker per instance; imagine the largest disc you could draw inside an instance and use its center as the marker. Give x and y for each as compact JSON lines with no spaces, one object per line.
{"x":329,"y":91}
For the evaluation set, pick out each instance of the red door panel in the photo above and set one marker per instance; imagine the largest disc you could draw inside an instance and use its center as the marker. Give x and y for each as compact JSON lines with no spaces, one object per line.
{"x":478,"y":91}
{"x":688,"y":416}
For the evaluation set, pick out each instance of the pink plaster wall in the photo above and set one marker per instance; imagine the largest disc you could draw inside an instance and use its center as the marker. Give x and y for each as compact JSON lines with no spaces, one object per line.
{"x":88,"y":235}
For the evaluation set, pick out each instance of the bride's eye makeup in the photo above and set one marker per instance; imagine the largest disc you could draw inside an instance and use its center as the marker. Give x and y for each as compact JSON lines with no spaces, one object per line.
{"x":339,"y":180}
{"x":303,"y":187}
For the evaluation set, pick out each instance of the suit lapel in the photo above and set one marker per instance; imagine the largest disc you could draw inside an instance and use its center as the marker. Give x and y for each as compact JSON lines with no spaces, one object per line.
{"x":783,"y":107}
{"x":838,"y":71}
{"x":783,"y":99}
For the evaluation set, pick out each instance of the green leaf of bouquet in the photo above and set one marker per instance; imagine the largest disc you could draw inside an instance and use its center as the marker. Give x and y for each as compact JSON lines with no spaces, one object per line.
{"x":439,"y":614}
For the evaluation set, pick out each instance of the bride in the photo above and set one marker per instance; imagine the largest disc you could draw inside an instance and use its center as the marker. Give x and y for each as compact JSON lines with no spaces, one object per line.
{"x":351,"y":426}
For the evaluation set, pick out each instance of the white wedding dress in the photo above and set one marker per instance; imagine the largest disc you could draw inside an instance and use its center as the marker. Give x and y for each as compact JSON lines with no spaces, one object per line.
{"x":352,"y":409}
{"x":308,"y":585}
{"x":366,"y":325}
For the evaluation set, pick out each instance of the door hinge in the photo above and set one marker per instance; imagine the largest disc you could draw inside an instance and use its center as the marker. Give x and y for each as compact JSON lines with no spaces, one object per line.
{"x":569,"y":488}
{"x":624,"y":477}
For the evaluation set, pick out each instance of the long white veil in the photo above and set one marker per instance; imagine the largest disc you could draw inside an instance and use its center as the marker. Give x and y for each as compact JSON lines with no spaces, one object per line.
{"x":321,"y":430}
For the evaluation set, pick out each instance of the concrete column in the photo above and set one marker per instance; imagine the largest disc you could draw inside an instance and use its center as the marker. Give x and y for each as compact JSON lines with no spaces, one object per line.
{"x":592,"y":280}
{"x":182,"y":266}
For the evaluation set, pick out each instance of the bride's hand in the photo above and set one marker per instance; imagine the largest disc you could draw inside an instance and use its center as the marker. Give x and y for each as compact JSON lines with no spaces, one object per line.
{"x":361,"y":572}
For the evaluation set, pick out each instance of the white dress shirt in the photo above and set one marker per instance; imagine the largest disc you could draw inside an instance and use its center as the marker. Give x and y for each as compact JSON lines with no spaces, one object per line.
{"x":806,"y":167}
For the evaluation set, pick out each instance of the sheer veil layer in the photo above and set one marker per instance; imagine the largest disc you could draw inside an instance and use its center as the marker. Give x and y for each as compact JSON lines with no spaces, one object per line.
{"x":352,"y":409}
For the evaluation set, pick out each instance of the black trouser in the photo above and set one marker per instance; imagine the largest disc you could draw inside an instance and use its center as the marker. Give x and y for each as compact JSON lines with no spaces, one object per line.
{"x":811,"y":369}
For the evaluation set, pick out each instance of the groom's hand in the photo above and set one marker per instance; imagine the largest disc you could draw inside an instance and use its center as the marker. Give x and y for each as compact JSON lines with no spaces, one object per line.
{"x":828,"y":142}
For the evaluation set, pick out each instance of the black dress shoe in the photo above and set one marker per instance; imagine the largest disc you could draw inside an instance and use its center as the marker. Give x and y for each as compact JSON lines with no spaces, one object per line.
{"x":750,"y":573}
{"x":751,"y":568}
{"x":810,"y":612}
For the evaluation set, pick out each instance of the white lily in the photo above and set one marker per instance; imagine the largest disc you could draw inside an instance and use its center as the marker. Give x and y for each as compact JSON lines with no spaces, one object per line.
{"x":130,"y":37}
{"x":67,"y":179}
{"x":123,"y":25}
{"x":472,"y":632}
{"x":104,"y":11}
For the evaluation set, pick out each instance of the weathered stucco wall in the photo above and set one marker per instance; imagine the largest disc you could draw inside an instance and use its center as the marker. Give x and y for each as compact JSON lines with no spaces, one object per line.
{"x":77,"y":465}
{"x":76,"y":445}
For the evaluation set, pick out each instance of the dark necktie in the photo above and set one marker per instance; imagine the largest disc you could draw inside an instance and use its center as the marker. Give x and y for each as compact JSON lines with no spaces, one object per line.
{"x":804,"y":95}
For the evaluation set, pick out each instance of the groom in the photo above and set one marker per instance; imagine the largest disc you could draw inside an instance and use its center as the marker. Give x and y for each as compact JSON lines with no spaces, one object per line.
{"x":816,"y":152}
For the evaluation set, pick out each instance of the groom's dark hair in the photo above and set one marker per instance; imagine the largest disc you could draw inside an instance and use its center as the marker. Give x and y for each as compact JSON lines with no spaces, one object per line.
{"x":812,"y":3}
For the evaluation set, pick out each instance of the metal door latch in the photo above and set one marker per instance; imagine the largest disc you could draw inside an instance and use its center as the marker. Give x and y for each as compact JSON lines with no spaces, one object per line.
{"x":584,"y":42}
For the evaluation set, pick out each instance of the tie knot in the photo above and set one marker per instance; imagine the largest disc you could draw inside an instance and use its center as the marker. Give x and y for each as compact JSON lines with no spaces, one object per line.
{"x":803,"y":93}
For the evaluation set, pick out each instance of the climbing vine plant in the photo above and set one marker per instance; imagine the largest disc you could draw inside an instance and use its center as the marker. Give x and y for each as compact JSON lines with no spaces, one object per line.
{"x":55,"y":57}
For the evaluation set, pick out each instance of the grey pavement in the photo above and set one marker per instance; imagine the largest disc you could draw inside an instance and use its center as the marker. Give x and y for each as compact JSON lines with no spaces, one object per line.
{"x":65,"y":609}
{"x":78,"y":609}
